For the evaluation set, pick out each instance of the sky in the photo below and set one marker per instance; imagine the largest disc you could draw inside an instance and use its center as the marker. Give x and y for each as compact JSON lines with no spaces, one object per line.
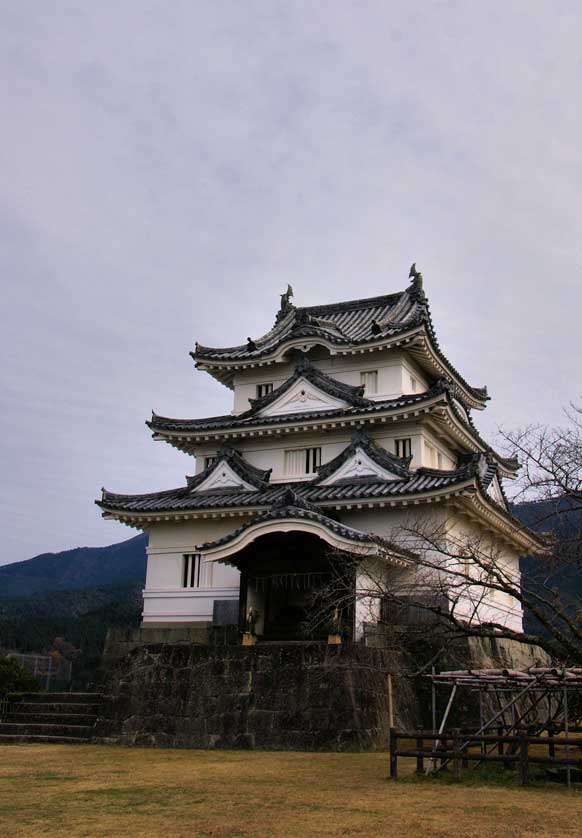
{"x":167,"y":168}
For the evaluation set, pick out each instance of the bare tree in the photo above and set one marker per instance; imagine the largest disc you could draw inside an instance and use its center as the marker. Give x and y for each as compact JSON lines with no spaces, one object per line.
{"x":462,"y":583}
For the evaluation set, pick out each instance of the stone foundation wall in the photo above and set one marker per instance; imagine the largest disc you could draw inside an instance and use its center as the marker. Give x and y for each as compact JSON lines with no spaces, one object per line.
{"x":295,"y":697}
{"x":120,"y":641}
{"x":287,"y":696}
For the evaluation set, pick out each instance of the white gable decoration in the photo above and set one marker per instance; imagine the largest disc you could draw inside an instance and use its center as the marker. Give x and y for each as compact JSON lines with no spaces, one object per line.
{"x":223,"y":477}
{"x":360,"y":465}
{"x":300,"y":398}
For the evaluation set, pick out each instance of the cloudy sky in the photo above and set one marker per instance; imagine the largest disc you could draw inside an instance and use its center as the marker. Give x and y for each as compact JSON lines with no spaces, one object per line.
{"x":167,"y":168}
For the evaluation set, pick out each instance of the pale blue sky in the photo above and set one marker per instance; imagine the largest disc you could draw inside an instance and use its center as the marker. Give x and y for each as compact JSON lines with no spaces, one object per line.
{"x":167,"y":169}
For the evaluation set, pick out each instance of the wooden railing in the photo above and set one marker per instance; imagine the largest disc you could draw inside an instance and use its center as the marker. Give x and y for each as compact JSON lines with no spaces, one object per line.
{"x":457,"y":749}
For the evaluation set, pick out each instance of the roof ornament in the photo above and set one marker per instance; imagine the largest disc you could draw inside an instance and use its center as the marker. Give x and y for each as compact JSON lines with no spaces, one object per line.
{"x":286,"y":304}
{"x":376,"y":328}
{"x":251,"y":345}
{"x":416,"y":277}
{"x":289,"y":498}
{"x":304,"y":363}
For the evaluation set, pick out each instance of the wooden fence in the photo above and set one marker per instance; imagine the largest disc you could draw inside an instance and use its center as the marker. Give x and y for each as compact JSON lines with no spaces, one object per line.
{"x":458,"y":748}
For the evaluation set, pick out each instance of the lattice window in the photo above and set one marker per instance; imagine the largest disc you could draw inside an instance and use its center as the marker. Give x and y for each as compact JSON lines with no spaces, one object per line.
{"x":264,"y":389}
{"x":209,"y":461}
{"x":192,"y":571}
{"x":370,"y":381}
{"x":403,"y":447}
{"x":301,"y":461}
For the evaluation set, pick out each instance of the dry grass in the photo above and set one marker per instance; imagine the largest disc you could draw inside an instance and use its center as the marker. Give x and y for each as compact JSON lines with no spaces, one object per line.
{"x":99,"y":791}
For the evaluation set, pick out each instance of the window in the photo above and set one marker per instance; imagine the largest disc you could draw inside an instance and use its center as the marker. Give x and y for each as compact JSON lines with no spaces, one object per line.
{"x":264,"y":389}
{"x":209,"y":461}
{"x":403,"y":447}
{"x":302,"y":461}
{"x":370,"y":381}
{"x":192,"y":571}
{"x":439,"y":460}
{"x":413,"y":384}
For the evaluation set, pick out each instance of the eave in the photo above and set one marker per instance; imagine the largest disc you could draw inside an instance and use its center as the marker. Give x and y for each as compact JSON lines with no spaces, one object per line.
{"x":418,"y":341}
{"x":437,"y":410}
{"x":482,"y":509}
{"x":143,"y":520}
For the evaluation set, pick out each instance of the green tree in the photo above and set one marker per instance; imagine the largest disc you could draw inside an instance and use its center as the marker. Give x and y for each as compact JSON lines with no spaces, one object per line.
{"x":15,"y":678}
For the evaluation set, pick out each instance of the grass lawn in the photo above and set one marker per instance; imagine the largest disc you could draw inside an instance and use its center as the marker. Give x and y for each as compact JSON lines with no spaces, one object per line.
{"x":99,"y":791}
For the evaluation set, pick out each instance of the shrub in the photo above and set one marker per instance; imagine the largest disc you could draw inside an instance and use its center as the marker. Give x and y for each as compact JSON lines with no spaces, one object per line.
{"x":14,"y":677}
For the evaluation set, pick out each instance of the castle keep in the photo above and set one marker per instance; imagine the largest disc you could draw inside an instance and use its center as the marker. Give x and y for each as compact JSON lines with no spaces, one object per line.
{"x":348,"y":422}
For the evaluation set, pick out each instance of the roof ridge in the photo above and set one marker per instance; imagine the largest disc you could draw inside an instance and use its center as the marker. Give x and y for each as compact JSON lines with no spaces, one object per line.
{"x":348,"y":305}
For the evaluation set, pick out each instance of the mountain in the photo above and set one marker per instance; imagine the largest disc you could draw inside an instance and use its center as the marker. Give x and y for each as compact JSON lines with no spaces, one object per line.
{"x":83,"y":567}
{"x":564,"y":520}
{"x":74,"y":596}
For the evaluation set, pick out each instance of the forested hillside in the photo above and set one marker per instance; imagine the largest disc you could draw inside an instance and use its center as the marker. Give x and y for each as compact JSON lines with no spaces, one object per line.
{"x":83,"y":567}
{"x":73,"y":597}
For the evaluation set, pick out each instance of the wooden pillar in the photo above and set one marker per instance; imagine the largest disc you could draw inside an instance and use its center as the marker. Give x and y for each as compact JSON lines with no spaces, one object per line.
{"x":500,"y":732}
{"x":393,"y":757}
{"x":390,"y":701}
{"x":523,"y":759}
{"x":420,"y":757}
{"x":551,"y":745}
{"x":456,"y":737}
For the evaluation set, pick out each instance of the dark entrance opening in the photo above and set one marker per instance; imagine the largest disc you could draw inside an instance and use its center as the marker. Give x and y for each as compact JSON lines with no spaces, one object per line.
{"x":281,"y":574}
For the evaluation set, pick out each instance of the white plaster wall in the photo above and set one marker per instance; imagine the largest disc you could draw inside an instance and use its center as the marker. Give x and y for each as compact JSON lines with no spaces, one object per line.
{"x":392,"y":523}
{"x":496,"y":606}
{"x":165,"y":600}
{"x":428,"y":438}
{"x":269,"y":452}
{"x":393,"y":366}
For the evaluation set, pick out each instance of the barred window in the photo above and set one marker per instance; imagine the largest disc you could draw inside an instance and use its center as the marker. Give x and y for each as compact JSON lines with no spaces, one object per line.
{"x":403,"y":447}
{"x":369,"y":380}
{"x":264,"y":389}
{"x":302,"y":461}
{"x":209,"y":461}
{"x":192,"y":571}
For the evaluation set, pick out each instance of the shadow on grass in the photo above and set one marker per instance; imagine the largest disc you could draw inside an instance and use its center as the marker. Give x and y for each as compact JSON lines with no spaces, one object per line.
{"x":488,"y":775}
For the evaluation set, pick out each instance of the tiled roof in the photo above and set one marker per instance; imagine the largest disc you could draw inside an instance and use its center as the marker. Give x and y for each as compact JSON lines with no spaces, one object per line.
{"x":421,"y":481}
{"x":379,"y":455}
{"x":306,"y":370}
{"x":257,"y":477}
{"x":292,"y":506}
{"x":473,"y":477}
{"x":347,"y":322}
{"x":354,"y":323}
{"x":249,"y":417}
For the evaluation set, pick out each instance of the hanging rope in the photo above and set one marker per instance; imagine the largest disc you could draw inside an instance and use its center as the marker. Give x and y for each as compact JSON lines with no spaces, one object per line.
{"x":290,"y":581}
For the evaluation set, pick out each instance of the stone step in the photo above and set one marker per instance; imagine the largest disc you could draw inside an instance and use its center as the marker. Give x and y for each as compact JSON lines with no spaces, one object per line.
{"x":57,"y":698}
{"x":19,"y":739}
{"x":51,"y":718}
{"x":68,"y":731}
{"x":69,"y":707}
